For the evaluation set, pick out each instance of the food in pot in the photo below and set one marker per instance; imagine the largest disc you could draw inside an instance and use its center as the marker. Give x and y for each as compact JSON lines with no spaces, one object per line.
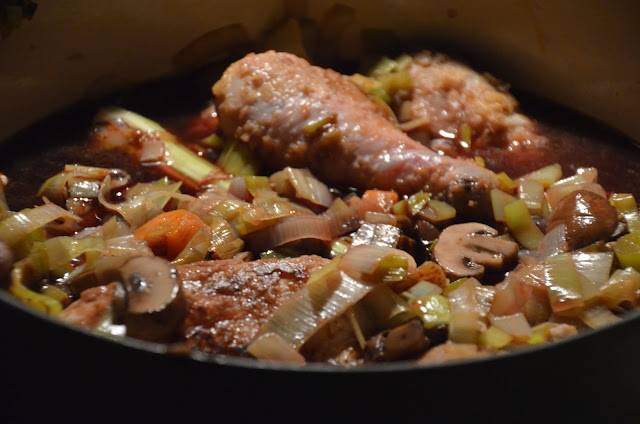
{"x":306,"y":215}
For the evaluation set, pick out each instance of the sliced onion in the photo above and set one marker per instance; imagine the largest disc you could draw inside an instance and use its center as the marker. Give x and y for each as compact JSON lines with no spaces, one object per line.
{"x":272,"y":347}
{"x":515,"y":325}
{"x":290,"y":229}
{"x":17,"y":226}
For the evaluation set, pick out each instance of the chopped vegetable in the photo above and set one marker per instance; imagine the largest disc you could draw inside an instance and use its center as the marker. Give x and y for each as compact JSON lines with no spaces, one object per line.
{"x":169,"y":233}
{"x":521,"y":226}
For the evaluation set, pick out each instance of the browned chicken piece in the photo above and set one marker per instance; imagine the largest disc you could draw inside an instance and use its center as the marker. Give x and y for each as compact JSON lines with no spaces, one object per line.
{"x":295,"y":114}
{"x":445,"y":96}
{"x":229,"y":300}
{"x":90,"y":308}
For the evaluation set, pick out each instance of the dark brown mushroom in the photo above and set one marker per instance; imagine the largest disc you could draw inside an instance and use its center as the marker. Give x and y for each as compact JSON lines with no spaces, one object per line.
{"x":156,"y":303}
{"x":401,"y":342}
{"x":588,"y":217}
{"x":464,"y":250}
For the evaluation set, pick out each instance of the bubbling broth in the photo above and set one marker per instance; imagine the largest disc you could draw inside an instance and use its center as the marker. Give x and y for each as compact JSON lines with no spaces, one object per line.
{"x":418,"y":212}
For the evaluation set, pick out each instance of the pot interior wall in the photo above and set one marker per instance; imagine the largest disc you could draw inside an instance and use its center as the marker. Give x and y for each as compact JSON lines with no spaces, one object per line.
{"x":582,"y":54}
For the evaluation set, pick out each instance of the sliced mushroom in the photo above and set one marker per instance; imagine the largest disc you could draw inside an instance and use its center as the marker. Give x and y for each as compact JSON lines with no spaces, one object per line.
{"x":401,"y":342}
{"x":156,"y":303}
{"x":464,"y":250}
{"x":153,"y":306}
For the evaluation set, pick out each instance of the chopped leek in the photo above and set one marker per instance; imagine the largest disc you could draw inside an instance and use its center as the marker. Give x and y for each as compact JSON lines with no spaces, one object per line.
{"x":41,"y":302}
{"x":546,"y":176}
{"x":236,"y":159}
{"x":17,"y":226}
{"x":627,"y":250}
{"x":626,"y":204}
{"x":433,"y":310}
{"x":495,"y":338}
{"x":328,"y":293}
{"x":500,"y":199}
{"x":521,"y":226}
{"x":418,"y":201}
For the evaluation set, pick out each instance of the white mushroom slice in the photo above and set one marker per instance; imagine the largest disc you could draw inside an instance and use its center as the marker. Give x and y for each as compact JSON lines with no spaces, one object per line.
{"x":464,"y":250}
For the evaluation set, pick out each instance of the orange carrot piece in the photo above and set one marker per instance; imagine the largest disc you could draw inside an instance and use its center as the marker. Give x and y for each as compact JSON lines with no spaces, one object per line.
{"x":168,"y":233}
{"x":379,"y":200}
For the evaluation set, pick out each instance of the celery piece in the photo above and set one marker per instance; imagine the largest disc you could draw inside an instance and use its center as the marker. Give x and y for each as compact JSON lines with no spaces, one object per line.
{"x":433,"y":310}
{"x":547,"y":175}
{"x":337,"y":248}
{"x":480,"y":161}
{"x":465,"y":137}
{"x":454,"y":285}
{"x":506,"y":180}
{"x":236,"y":159}
{"x":438,"y":211}
{"x":187,"y":163}
{"x":500,"y":199}
{"x":626,"y":204}
{"x":391,"y":268}
{"x":418,"y":201}
{"x":495,"y":338}
{"x":213,"y":141}
{"x":384,"y":66}
{"x":381,"y":94}
{"x":627,"y":250}
{"x":521,"y":226}
{"x":401,"y":207}
{"x":132,"y":119}
{"x":532,"y":192}
{"x":311,"y":128}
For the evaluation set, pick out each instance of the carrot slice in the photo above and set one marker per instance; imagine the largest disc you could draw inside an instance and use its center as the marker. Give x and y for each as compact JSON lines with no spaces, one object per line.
{"x":168,"y":233}
{"x":379,"y":200}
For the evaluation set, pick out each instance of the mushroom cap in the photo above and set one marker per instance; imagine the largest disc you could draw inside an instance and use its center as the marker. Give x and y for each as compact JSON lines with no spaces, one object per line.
{"x":464,"y":250}
{"x":588,"y":217}
{"x":156,"y":303}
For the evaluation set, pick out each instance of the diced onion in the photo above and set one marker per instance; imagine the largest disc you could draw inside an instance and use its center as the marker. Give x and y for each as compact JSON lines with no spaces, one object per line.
{"x":377,"y":262}
{"x":598,"y":316}
{"x":301,"y":184}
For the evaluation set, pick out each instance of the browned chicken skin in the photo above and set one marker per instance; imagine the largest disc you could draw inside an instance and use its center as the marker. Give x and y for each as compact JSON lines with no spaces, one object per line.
{"x":446,"y":95}
{"x":229,"y":300}
{"x":270,"y":99}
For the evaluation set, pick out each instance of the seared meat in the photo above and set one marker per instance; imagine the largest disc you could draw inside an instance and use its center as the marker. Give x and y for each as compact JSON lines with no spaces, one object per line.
{"x":272,"y":101}
{"x":90,"y":308}
{"x":228,"y":300}
{"x":446,"y":95}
